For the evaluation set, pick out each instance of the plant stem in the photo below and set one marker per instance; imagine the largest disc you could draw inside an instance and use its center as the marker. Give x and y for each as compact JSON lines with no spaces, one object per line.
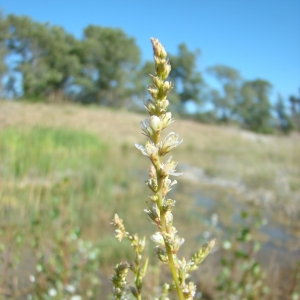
{"x":164,"y":229}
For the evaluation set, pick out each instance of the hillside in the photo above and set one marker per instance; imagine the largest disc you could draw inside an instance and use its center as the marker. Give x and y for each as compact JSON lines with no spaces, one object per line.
{"x":223,"y":151}
{"x":85,"y":156}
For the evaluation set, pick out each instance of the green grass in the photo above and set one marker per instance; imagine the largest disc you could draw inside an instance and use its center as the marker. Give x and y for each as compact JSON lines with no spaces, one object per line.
{"x":68,"y":173}
{"x":43,"y":152}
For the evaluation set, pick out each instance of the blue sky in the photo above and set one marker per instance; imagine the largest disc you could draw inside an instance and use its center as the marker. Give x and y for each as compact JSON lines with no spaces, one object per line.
{"x":260,"y":38}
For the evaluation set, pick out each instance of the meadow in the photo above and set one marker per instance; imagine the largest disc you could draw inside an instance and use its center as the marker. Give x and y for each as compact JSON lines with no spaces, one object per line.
{"x":65,"y":170}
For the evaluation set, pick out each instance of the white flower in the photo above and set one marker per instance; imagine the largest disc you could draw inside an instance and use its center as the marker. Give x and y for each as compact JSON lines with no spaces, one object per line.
{"x":146,"y":128}
{"x":70,"y":288}
{"x":169,"y":168}
{"x":52,"y":292}
{"x":149,"y":150}
{"x":167,"y":183}
{"x":76,"y":297}
{"x":158,"y":239}
{"x":177,"y":243}
{"x":166,"y":119}
{"x":214,"y":219}
{"x":171,"y":141}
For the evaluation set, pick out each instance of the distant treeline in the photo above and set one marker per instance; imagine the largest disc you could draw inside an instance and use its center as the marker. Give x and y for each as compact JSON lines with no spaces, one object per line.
{"x":42,"y":62}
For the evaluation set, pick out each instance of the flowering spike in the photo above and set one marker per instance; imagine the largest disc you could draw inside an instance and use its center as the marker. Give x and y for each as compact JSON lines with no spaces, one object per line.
{"x":159,"y":209}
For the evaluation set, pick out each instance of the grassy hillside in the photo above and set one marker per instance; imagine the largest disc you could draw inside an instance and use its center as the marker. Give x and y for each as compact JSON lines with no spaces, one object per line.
{"x":65,"y":170}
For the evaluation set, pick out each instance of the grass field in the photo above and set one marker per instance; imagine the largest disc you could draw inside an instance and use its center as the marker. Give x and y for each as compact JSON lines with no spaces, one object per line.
{"x":65,"y":170}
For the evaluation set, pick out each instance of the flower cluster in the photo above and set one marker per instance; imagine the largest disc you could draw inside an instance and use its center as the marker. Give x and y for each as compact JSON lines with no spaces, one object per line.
{"x":119,"y":280}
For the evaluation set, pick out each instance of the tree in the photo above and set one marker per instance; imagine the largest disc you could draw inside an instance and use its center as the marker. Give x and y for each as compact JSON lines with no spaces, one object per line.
{"x":230,"y":80}
{"x":285,"y":121}
{"x":3,"y":52}
{"x":110,"y":59}
{"x":253,"y":107}
{"x":295,"y":111}
{"x":45,"y":57}
{"x":187,"y":80}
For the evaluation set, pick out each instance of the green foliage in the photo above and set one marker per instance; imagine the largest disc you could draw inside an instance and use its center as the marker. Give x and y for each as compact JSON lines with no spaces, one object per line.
{"x":66,"y":265}
{"x":253,"y":107}
{"x":187,"y":80}
{"x":206,"y":117}
{"x":242,"y":276}
{"x":230,"y":80}
{"x":295,"y":111}
{"x":44,"y":172}
{"x":109,"y":60}
{"x":43,"y":151}
{"x":143,"y":79}
{"x":58,"y":190}
{"x":48,"y":63}
{"x":3,"y":51}
{"x":285,"y":121}
{"x":55,"y":65}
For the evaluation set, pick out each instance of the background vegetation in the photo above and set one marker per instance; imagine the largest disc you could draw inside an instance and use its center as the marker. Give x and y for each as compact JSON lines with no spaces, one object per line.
{"x":66,"y":169}
{"x":42,"y":62}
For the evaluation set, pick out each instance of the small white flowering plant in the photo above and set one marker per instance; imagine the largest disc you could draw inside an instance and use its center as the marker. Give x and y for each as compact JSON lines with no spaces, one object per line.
{"x":160,"y":206}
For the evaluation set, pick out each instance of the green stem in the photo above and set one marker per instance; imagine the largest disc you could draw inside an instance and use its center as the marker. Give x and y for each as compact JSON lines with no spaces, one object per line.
{"x":164,"y":229}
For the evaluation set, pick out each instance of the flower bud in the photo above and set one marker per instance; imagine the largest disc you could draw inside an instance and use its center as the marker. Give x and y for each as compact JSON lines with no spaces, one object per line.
{"x":160,"y":66}
{"x":162,"y":106}
{"x":134,"y":291}
{"x":154,"y":198}
{"x":158,"y":239}
{"x":158,"y":49}
{"x":166,"y":119}
{"x":165,"y":71}
{"x":152,"y":184}
{"x":142,"y":244}
{"x":199,"y":256}
{"x":153,"y":213}
{"x":169,"y":218}
{"x":153,"y":91}
{"x":151,"y":107}
{"x":167,"y":85}
{"x":155,"y":123}
{"x":157,"y":81}
{"x":152,"y":172}
{"x":162,"y":255}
